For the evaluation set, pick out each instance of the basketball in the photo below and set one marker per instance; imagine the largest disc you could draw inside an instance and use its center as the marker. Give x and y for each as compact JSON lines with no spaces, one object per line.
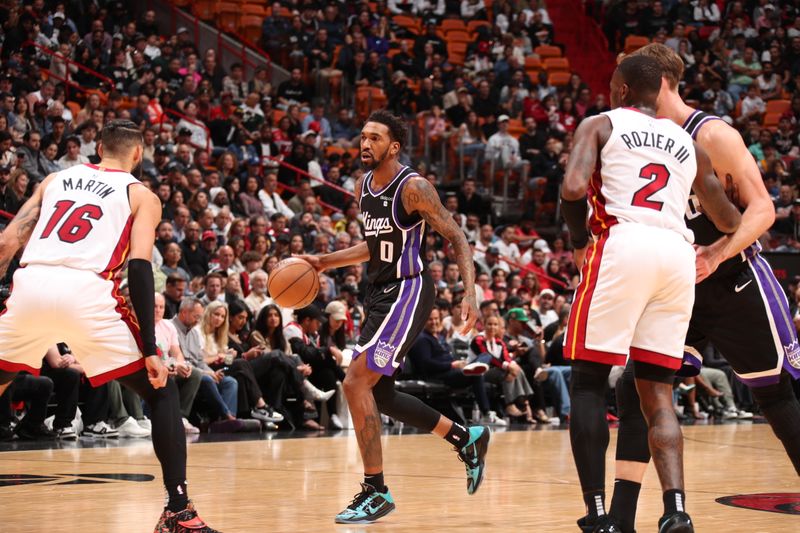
{"x":293,"y":283}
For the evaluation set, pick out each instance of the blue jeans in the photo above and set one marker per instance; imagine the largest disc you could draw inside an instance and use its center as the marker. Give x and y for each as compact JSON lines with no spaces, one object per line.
{"x":222,"y":395}
{"x":558,"y":379}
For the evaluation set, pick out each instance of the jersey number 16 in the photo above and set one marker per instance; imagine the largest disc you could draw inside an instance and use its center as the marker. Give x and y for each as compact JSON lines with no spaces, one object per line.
{"x":77,"y":225}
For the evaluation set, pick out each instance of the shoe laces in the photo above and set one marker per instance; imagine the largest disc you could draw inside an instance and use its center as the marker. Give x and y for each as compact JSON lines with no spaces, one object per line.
{"x":367,"y":491}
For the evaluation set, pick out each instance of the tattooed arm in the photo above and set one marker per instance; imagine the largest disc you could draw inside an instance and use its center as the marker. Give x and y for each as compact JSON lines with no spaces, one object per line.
{"x":418,"y":195}
{"x":17,"y":233}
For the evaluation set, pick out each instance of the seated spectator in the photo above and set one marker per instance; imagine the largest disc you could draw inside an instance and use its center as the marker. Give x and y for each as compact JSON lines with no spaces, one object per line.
{"x":504,"y":150}
{"x":488,"y":347}
{"x":303,"y":337}
{"x":218,"y":355}
{"x":218,"y":391}
{"x":35,"y":392}
{"x":432,"y":359}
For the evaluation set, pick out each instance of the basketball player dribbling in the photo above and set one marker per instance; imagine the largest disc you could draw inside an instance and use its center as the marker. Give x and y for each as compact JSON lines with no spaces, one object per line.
{"x":740,"y":308}
{"x":398,"y":207}
{"x":78,"y":229}
{"x":637,"y":278}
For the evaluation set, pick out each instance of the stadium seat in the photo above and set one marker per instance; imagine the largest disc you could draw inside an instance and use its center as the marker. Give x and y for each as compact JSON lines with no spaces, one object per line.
{"x":771,"y":120}
{"x":255,"y":10}
{"x":515,"y":127}
{"x":250,"y":27}
{"x":556,"y":64}
{"x":227,"y":18}
{"x":204,"y":9}
{"x":533,"y":63}
{"x":558,"y":79}
{"x":458,"y":37}
{"x":449,"y":25}
{"x":634,"y":42}
{"x":407,"y":22}
{"x":544,"y":51}
{"x":74,"y":108}
{"x":473,"y":25}
{"x":778,"y":106}
{"x":182,"y":3}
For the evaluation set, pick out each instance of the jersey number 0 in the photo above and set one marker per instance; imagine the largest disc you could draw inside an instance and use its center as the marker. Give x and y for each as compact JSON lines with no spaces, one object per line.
{"x":77,"y":225}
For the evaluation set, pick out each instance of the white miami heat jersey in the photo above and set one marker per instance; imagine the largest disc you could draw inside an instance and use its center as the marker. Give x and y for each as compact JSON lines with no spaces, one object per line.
{"x":647,"y":169}
{"x":85,"y":221}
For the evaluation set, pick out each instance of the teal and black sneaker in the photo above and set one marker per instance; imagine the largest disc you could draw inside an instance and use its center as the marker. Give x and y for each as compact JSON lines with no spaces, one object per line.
{"x":368,"y":506}
{"x":473,"y":454}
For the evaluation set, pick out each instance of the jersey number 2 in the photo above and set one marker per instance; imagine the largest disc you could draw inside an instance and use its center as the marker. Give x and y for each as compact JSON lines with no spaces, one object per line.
{"x":77,"y":225}
{"x":660,"y":177}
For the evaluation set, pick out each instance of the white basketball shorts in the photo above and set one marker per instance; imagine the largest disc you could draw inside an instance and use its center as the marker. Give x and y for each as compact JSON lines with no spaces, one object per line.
{"x":635,"y":298}
{"x":52,"y":304}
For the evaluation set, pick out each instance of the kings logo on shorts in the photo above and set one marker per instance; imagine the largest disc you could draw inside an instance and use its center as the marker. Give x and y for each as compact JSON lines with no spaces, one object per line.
{"x":384,"y":352}
{"x":793,"y":354}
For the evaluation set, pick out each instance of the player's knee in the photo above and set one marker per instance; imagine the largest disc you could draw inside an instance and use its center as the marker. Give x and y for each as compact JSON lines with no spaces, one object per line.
{"x":589,"y":376}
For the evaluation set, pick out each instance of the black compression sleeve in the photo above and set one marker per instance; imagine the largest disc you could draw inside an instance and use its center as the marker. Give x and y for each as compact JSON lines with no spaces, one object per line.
{"x":575,"y":212}
{"x":140,"y":281}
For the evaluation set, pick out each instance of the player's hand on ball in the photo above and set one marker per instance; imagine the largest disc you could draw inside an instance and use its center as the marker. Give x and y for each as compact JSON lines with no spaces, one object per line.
{"x":469,"y":313}
{"x":312,"y":260}
{"x":157,"y":373}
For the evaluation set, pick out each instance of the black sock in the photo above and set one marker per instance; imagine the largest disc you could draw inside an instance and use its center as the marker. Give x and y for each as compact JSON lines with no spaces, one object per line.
{"x":595,"y":501}
{"x":623,"y":503}
{"x":458,"y":435}
{"x":674,"y":501}
{"x":375,"y":481}
{"x":178,"y":497}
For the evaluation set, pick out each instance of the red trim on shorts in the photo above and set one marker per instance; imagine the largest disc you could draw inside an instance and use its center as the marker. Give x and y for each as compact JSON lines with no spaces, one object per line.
{"x":117,"y":373}
{"x":655,"y":358}
{"x":578,"y":321}
{"x":127,"y":316}
{"x":598,"y":356}
{"x":10,"y":366}
{"x":103,"y":169}
{"x":600,"y":220}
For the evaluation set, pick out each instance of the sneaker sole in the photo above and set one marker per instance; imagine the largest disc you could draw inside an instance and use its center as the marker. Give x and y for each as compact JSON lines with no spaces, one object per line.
{"x":387,"y":510}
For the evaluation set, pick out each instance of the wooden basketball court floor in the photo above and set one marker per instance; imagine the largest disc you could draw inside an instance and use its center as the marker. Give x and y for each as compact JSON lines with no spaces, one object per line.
{"x":298,"y":484}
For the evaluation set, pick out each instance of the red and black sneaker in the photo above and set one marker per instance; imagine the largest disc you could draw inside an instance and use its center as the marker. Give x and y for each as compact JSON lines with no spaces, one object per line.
{"x":185,"y":521}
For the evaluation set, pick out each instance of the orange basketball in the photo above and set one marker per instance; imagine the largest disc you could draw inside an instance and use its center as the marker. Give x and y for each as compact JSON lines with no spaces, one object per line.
{"x":293,"y":283}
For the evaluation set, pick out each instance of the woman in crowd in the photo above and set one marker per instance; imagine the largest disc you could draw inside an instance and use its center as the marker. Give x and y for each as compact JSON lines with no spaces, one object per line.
{"x":489,"y":347}
{"x":18,"y":183}
{"x":218,"y":355}
{"x":268,"y":337}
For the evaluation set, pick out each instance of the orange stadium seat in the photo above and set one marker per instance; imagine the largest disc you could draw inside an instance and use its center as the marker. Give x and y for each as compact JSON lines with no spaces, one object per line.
{"x":227,"y":18}
{"x":449,"y":25}
{"x":204,"y":9}
{"x":407,"y":22}
{"x":257,"y":10}
{"x":473,"y":25}
{"x":250,"y":27}
{"x":458,"y":37}
{"x":556,"y":64}
{"x":634,"y":42}
{"x":515,"y":127}
{"x":182,"y":3}
{"x":771,"y":120}
{"x":778,"y":106}
{"x":558,"y":79}
{"x":544,"y":51}
{"x":533,"y":63}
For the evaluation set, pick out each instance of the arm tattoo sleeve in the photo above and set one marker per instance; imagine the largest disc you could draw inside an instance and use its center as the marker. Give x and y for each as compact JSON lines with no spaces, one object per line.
{"x":419,"y":195}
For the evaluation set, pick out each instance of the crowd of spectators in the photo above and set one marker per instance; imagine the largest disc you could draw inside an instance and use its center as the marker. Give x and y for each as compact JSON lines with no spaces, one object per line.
{"x":244,"y":171}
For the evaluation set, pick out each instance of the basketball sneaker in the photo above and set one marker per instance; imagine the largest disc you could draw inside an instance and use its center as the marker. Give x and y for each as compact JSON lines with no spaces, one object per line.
{"x":367,"y":506}
{"x":675,"y":523}
{"x":601,"y":524}
{"x":473,"y":454}
{"x":185,"y":521}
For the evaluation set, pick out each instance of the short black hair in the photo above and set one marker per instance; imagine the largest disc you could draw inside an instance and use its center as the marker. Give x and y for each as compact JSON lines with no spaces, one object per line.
{"x":642,"y":74}
{"x":397,"y":128}
{"x":120,"y":135}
